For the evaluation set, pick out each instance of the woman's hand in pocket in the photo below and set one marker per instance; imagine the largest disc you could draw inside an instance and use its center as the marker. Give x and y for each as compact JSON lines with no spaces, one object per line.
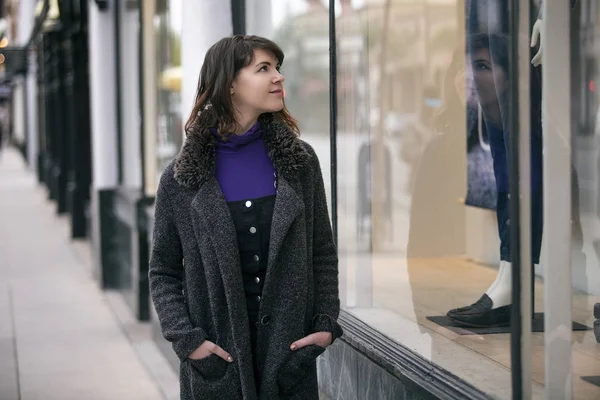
{"x":322,"y":339}
{"x":206,"y":349}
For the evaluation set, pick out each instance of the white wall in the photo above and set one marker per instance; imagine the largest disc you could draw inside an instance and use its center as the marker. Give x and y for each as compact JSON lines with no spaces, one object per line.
{"x":204,"y":23}
{"x":26,"y":19}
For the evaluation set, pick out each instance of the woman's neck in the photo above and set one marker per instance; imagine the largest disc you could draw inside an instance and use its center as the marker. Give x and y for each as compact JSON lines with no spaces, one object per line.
{"x":244,"y":123}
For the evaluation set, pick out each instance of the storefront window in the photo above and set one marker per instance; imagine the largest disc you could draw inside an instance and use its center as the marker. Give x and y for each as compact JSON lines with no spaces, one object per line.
{"x":424,"y":177}
{"x":584,"y":210}
{"x":301,"y":29}
{"x":167,"y":24}
{"x":423,"y":111}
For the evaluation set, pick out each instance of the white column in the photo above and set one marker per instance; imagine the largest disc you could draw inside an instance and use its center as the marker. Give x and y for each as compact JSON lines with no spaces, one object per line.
{"x":556,"y":101}
{"x":26,"y":19}
{"x":129,"y":20}
{"x":18,"y":116}
{"x":102,"y":96}
{"x":150,"y":133}
{"x":32,"y":112}
{"x":204,"y":23}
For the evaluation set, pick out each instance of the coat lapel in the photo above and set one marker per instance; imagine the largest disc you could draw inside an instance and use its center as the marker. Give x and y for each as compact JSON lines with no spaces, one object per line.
{"x":288,"y":206}
{"x":213,"y":225}
{"x":212,"y":221}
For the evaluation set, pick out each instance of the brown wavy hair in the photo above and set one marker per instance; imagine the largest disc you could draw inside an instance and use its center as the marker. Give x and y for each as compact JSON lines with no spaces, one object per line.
{"x":222,"y":63}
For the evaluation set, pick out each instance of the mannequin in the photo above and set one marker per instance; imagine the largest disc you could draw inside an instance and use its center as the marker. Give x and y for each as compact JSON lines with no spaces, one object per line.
{"x":538,"y":34}
{"x":493,"y":308}
{"x":488,"y":55}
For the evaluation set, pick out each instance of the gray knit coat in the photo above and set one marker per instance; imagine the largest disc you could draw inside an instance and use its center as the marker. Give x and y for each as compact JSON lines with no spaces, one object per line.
{"x":196,"y":280}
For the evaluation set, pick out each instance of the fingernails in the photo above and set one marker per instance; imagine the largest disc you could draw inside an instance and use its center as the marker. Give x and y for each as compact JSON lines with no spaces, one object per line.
{"x":293,"y":347}
{"x":229,"y":359}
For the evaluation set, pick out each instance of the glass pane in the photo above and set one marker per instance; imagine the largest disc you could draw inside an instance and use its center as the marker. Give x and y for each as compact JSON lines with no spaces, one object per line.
{"x":423,"y":188}
{"x":301,"y":29}
{"x":167,"y":24}
{"x":585,"y":196}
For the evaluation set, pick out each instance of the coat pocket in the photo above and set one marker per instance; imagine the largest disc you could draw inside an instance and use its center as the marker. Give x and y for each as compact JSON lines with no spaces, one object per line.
{"x":210,"y":368}
{"x":295,"y":366}
{"x":212,"y":378}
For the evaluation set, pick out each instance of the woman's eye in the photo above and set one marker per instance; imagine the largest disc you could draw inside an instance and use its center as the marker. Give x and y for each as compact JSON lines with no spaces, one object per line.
{"x":263,"y":68}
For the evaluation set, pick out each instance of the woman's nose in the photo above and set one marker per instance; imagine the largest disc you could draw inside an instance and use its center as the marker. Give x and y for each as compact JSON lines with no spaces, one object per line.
{"x":279,"y":77}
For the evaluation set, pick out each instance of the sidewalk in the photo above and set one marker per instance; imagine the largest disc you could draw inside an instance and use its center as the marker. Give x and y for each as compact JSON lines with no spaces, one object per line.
{"x":61,"y":337}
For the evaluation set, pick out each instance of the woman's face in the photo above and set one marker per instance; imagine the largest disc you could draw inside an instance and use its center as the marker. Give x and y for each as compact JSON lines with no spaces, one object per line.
{"x":258,"y":88}
{"x":490,"y":78}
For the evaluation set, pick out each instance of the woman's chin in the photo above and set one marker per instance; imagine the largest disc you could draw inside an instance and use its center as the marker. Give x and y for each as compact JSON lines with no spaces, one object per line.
{"x":274,"y":108}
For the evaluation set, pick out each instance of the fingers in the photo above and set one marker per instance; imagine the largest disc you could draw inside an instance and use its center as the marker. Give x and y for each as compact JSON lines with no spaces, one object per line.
{"x":536,"y":32}
{"x":222,"y":353}
{"x":305,"y":341}
{"x":534,"y":38}
{"x":537,"y":59}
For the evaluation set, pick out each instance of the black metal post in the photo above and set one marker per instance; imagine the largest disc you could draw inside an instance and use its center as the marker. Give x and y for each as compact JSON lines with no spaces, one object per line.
{"x":77,"y":90}
{"x":238,"y":16}
{"x":333,"y":117}
{"x":41,"y":156}
{"x":514,"y":199}
{"x":50,"y":89}
{"x":58,"y":116}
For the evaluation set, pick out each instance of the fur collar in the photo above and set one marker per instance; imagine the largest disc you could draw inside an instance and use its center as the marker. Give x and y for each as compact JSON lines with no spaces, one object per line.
{"x":195,"y":163}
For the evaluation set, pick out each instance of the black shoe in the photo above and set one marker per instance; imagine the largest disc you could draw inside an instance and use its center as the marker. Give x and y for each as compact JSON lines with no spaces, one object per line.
{"x":484,"y":302}
{"x":481,"y":314}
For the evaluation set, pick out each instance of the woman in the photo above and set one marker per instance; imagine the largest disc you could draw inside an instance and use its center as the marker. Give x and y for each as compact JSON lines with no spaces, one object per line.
{"x":243,"y":270}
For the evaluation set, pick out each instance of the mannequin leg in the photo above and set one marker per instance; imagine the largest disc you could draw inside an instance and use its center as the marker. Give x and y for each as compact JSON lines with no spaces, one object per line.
{"x":499,"y":278}
{"x":500,"y":291}
{"x":494,"y":306}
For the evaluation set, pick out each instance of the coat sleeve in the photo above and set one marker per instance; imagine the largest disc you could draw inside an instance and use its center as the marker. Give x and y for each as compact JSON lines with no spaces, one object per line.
{"x":166,"y":276}
{"x":325,"y":261}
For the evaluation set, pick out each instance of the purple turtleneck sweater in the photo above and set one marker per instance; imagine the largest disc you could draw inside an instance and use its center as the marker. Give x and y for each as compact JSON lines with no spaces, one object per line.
{"x":243,"y":167}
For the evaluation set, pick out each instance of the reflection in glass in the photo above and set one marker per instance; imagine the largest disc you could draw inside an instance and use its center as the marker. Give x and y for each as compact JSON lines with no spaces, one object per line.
{"x":301,"y":29}
{"x":417,"y":193}
{"x":488,"y":56}
{"x":585,"y":237}
{"x":423,"y":183}
{"x":167,"y":24}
